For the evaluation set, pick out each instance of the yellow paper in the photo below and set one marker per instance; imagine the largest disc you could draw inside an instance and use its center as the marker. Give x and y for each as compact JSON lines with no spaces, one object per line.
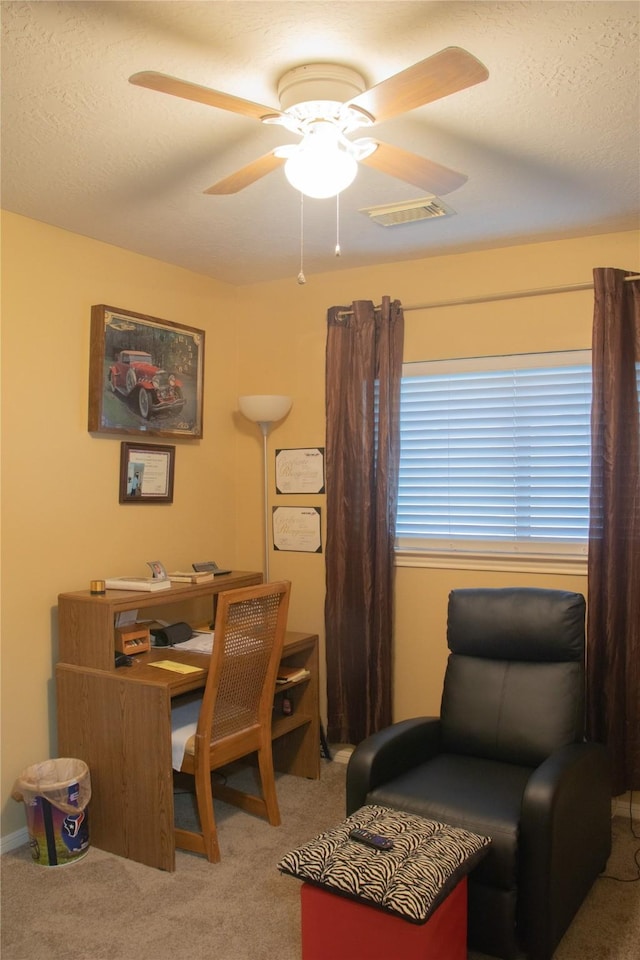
{"x":174,"y":665}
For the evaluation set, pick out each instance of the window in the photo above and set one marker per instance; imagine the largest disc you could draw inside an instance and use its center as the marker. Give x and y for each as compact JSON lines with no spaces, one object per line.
{"x":495,"y":455}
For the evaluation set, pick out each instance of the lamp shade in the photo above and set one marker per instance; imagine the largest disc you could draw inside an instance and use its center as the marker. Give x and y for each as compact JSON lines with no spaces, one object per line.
{"x":265,"y":408}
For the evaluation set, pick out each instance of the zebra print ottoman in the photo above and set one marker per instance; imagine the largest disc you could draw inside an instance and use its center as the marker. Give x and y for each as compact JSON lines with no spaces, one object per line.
{"x":422,"y":880}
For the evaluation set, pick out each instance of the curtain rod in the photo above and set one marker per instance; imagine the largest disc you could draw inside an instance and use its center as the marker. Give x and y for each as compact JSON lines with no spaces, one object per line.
{"x":489,"y":298}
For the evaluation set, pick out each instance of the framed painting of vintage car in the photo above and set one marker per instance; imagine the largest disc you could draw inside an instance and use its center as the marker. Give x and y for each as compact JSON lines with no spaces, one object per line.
{"x":146,"y":375}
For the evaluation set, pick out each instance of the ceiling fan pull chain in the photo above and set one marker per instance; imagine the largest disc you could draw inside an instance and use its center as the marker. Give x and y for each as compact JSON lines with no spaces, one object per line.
{"x":301,"y":277}
{"x":338,"y":251}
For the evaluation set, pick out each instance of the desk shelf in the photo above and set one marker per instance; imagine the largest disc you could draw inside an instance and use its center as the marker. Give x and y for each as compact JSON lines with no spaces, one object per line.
{"x":119,"y":720}
{"x":296,"y":737}
{"x":87,"y":622}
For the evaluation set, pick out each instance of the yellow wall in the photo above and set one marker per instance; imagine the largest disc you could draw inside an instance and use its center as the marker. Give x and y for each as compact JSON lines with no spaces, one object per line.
{"x":294,"y":318}
{"x":62,"y":523}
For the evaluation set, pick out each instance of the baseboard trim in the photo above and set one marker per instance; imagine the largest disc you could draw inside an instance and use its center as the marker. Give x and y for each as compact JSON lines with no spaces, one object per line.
{"x":620,"y":808}
{"x":341,"y":752}
{"x":14,"y":840}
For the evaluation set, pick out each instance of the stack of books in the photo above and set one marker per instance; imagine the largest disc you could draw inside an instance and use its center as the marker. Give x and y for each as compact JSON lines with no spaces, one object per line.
{"x":291,"y":674}
{"x":146,"y":584}
{"x":188,"y":576}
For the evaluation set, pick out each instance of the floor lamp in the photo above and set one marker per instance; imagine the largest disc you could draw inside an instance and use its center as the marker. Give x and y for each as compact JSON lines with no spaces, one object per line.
{"x":265,"y":410}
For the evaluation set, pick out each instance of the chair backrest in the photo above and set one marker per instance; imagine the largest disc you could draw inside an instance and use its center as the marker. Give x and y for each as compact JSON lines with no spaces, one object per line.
{"x":514,"y":684}
{"x":249,"y":632}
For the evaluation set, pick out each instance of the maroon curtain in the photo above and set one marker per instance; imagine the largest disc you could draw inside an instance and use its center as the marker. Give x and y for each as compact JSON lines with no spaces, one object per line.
{"x":613,"y":632}
{"x":363,"y":372}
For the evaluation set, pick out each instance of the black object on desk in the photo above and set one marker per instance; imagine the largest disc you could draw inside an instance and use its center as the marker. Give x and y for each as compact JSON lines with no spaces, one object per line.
{"x":209,"y":566}
{"x":171,"y":634}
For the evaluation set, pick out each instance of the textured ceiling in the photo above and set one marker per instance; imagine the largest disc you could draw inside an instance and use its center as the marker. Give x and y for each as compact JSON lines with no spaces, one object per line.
{"x":550,"y":142}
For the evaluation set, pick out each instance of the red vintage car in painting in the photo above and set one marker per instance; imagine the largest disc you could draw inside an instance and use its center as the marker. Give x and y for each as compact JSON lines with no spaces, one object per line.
{"x":134,"y":375}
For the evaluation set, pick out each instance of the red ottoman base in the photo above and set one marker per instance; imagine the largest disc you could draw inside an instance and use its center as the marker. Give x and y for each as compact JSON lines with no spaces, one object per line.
{"x":335,"y":928}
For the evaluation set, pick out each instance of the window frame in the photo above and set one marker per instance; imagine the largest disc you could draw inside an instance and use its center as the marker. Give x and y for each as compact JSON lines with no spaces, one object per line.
{"x":475,"y":553}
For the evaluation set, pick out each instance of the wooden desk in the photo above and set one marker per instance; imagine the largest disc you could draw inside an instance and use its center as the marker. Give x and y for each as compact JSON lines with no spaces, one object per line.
{"x":119,"y":720}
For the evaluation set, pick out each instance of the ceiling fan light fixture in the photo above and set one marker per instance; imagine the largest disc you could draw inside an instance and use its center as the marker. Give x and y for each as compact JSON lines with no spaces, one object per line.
{"x":321,"y":167}
{"x":336,"y":97}
{"x":319,"y":81}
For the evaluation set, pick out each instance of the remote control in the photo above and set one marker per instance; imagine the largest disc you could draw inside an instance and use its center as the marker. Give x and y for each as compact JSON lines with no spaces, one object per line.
{"x":371,"y":839}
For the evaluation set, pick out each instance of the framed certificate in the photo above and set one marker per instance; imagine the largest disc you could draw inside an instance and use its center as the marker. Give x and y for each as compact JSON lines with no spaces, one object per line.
{"x":297,"y":529}
{"x":300,"y":470}
{"x":146,"y":473}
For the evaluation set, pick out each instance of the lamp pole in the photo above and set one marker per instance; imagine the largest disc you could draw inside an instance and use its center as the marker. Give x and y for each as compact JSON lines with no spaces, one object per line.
{"x":265,"y":410}
{"x":264,"y":426}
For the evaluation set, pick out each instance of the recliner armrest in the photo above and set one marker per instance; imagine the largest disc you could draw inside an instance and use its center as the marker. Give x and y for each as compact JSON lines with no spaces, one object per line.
{"x":565,"y":838}
{"x":387,"y":754}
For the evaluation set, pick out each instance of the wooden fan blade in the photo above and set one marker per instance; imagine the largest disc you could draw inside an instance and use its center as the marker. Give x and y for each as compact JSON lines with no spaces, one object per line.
{"x":246,"y":175}
{"x":426,"y":174}
{"x":193,"y":91}
{"x":446,"y":72}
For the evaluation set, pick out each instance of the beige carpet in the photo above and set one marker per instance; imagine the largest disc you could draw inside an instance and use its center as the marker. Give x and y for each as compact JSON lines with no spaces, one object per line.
{"x":107,"y":908}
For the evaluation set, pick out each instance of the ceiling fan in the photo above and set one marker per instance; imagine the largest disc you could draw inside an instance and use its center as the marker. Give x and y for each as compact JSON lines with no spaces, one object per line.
{"x":324,"y":103}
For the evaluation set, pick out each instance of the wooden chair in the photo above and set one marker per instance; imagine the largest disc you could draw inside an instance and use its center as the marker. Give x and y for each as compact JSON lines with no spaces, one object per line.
{"x":233,"y":717}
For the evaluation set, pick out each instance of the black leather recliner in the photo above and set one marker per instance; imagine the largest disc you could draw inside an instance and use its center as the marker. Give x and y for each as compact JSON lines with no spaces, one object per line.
{"x":507,"y":759}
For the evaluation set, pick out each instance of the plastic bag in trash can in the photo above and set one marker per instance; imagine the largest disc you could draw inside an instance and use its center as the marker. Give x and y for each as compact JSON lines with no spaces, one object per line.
{"x":59,"y":835}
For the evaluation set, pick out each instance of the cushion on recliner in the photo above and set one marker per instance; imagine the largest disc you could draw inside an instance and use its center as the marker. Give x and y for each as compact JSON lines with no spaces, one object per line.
{"x":515,"y":712}
{"x":482,"y":796}
{"x":516,"y":623}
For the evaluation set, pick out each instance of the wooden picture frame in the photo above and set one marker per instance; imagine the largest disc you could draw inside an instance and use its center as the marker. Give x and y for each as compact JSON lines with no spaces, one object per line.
{"x":146,"y":375}
{"x":146,"y":473}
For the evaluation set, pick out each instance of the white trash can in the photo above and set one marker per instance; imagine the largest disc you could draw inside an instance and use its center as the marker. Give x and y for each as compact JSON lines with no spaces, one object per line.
{"x":56,"y":794}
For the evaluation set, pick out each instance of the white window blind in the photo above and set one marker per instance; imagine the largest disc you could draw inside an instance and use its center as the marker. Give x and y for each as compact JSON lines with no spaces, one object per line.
{"x":495,"y":454}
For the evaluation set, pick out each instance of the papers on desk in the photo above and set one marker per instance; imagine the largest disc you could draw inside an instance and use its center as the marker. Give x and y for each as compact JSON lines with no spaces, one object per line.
{"x":143,"y":584}
{"x":126,"y":618}
{"x":200,"y":642}
{"x":175,"y":666}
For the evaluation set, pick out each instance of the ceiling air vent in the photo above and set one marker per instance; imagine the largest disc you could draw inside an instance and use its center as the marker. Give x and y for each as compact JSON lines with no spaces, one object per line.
{"x":393,"y":214}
